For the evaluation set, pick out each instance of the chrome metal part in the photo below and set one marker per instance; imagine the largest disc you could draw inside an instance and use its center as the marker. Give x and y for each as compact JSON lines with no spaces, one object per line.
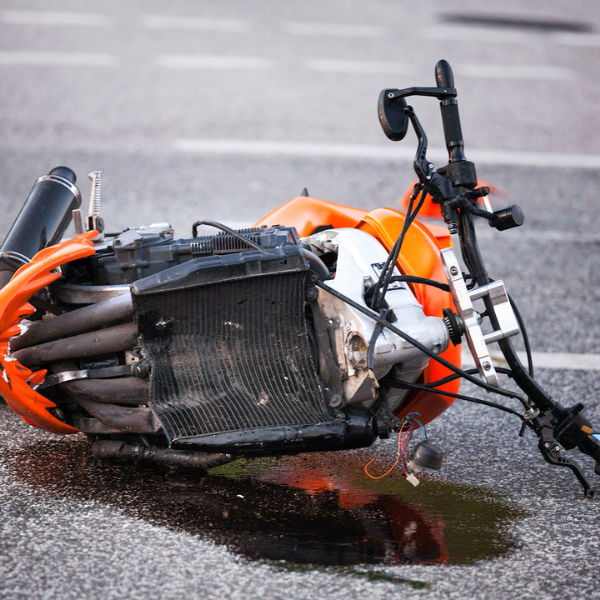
{"x":94,"y":220}
{"x":471,"y":319}
{"x":78,"y":221}
{"x":17,"y":257}
{"x":62,"y":181}
{"x":503,"y":310}
{"x":359,"y":260}
{"x":487,"y":204}
{"x":155,"y":229}
{"x":74,"y":375}
{"x":86,"y":294}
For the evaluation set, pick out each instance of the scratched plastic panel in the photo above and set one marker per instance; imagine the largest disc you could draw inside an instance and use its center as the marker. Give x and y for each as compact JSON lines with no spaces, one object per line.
{"x":231,"y":356}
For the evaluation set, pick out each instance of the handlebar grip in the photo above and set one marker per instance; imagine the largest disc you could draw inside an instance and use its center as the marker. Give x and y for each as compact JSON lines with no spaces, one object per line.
{"x":443,"y":74}
{"x":450,"y":117}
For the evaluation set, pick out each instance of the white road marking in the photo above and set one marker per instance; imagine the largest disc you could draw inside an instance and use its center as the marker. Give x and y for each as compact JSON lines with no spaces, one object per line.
{"x":549,"y":236}
{"x":545,"y":360}
{"x":54,"y":18}
{"x":336,"y":30}
{"x":471,"y":35}
{"x":195,"y":24}
{"x":391,"y":152}
{"x":535,"y":159}
{"x":58,"y":59}
{"x":190,"y":61}
{"x":585,"y":40}
{"x":481,"y":34}
{"x":290,"y":149}
{"x":528,"y":72}
{"x":474,"y":71}
{"x":360,"y":66}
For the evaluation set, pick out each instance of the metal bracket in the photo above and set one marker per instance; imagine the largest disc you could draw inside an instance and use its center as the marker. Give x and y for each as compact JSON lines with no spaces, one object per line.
{"x":463,"y":301}
{"x":104,"y":373}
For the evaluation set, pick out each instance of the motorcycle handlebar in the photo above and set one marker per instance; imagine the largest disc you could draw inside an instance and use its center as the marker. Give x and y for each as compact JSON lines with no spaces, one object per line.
{"x":450,"y":117}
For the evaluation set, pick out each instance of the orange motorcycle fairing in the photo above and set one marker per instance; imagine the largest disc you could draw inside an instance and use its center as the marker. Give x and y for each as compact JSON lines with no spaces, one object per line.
{"x":420,"y":256}
{"x":17,"y":382}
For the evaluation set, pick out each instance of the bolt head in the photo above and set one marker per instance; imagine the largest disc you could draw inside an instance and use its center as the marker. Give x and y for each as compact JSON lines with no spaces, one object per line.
{"x":312,"y":293}
{"x":453,"y":271}
{"x":487,"y":366}
{"x":335,"y":401}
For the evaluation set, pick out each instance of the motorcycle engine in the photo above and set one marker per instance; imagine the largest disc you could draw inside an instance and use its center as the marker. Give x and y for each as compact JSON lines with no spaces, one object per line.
{"x":223,"y":342}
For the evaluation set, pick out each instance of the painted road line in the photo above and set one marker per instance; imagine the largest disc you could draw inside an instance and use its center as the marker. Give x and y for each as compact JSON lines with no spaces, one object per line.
{"x":498,"y":36}
{"x":482,"y":34}
{"x":58,"y":59}
{"x":226,"y":63}
{"x":389,"y":152}
{"x":54,"y":18}
{"x":548,"y":236}
{"x":360,"y":66}
{"x":528,"y":72}
{"x":535,"y":159}
{"x":545,"y":360}
{"x":195,"y":24}
{"x":335,"y":30}
{"x":262,"y":148}
{"x":581,"y":40}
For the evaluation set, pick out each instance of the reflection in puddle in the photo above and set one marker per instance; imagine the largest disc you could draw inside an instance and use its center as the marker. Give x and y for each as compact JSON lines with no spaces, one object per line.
{"x":318,"y":509}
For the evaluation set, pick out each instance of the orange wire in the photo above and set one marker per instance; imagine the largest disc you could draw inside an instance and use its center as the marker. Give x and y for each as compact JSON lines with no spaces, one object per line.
{"x":394,"y":465}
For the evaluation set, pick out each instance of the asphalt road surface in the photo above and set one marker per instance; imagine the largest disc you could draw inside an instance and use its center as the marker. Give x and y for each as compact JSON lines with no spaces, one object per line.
{"x":226,"y":110}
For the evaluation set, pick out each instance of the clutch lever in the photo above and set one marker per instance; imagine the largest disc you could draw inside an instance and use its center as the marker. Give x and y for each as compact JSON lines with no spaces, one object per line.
{"x":546,"y":429}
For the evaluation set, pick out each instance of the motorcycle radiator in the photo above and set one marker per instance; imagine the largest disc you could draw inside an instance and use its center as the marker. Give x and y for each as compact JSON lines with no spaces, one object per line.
{"x":228,"y":346}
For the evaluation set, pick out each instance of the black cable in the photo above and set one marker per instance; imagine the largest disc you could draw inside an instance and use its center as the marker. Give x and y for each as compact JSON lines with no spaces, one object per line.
{"x":226,"y":229}
{"x":524,"y":334}
{"x":454,"y":377}
{"x":421,"y":347}
{"x":474,"y":262}
{"x":411,"y":279}
{"x":405,"y":385}
{"x":376,"y":331}
{"x":388,"y":269}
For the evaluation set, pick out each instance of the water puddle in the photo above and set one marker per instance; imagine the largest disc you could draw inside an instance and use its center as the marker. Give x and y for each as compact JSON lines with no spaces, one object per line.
{"x":312,"y":509}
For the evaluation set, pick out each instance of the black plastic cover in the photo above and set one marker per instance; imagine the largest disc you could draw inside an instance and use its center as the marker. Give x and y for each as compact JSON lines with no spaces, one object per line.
{"x":230,"y":267}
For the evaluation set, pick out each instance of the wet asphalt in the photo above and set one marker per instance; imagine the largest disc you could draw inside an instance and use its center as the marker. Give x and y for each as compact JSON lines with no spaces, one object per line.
{"x":496,"y":521}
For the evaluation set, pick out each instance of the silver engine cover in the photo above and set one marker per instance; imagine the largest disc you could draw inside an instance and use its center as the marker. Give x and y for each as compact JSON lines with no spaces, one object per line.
{"x":360,"y":259}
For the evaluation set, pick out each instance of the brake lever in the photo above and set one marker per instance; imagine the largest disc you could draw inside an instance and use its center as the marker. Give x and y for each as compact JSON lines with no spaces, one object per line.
{"x":439,"y":187}
{"x":550,"y":450}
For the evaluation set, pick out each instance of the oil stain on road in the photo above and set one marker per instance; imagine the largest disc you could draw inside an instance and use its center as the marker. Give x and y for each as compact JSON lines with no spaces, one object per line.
{"x":318,"y":510}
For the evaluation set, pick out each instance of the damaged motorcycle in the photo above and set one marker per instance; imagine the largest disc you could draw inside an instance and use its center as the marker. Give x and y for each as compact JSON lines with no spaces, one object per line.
{"x":322,"y":327}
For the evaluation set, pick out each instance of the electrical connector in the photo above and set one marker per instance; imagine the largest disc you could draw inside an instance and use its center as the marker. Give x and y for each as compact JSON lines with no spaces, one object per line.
{"x":412,"y":479}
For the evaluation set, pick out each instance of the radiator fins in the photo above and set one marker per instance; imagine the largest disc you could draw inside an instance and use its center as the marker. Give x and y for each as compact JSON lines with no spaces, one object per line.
{"x":231,"y":356}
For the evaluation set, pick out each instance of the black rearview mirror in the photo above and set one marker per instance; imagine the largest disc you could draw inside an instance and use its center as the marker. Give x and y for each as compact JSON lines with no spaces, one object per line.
{"x":391,"y":115}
